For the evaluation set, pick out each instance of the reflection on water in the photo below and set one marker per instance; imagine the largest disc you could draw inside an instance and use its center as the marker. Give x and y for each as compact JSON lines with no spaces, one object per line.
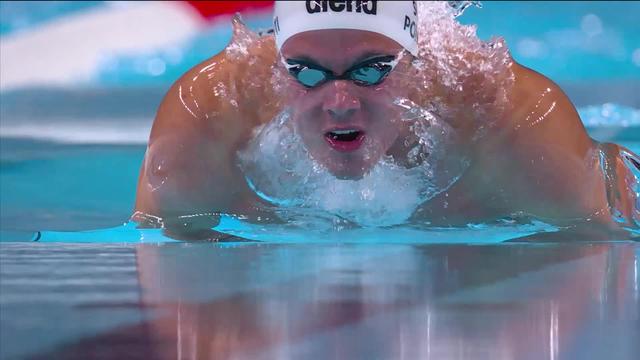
{"x":255,"y":301}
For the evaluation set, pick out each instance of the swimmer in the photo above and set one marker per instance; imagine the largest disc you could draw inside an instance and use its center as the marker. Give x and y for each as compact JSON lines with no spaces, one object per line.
{"x":348,"y":75}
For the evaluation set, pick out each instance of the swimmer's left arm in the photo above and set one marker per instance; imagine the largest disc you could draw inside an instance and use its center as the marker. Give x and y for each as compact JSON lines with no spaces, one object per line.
{"x":552,"y":167}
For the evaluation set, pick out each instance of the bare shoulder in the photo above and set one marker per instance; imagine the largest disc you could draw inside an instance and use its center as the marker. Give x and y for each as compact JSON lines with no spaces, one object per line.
{"x":544,"y":162}
{"x":540,"y":104}
{"x":232,"y":85}
{"x":206,"y":115}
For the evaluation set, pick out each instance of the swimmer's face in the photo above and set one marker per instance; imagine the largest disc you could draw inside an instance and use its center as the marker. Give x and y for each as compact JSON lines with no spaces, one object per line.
{"x":345,"y":126}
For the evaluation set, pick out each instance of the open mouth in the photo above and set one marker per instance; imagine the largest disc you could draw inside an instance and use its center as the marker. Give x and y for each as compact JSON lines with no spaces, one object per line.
{"x":345,"y":139}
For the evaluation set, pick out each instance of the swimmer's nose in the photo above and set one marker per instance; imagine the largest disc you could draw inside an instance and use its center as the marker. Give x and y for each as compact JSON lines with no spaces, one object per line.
{"x":340,"y":102}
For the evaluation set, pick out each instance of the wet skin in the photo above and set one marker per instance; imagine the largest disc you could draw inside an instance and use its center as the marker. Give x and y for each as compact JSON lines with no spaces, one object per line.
{"x":538,"y":160}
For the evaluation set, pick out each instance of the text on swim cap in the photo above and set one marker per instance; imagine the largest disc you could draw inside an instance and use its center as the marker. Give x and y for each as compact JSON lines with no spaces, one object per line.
{"x":367,"y":7}
{"x":411,"y":24}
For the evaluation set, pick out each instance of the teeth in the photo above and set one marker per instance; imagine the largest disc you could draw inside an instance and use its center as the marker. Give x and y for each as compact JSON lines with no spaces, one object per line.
{"x":344,"y":132}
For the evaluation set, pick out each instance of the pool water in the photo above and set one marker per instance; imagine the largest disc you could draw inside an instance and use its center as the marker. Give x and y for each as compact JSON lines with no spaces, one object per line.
{"x":277,"y":301}
{"x":91,"y":287}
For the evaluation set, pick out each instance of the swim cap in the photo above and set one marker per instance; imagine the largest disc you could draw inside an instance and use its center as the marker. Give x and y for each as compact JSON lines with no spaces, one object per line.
{"x":393,"y":19}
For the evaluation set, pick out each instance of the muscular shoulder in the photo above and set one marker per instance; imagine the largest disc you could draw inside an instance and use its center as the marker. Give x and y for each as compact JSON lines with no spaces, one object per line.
{"x":203,"y":119}
{"x":225,"y":91}
{"x":544,"y":159}
{"x":540,"y":107}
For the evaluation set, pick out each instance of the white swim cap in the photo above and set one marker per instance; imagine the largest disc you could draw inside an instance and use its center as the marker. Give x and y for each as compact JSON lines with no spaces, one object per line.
{"x":393,"y":19}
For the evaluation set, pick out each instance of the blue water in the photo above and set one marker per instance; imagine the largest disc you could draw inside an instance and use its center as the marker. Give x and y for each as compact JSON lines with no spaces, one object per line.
{"x":20,"y":16}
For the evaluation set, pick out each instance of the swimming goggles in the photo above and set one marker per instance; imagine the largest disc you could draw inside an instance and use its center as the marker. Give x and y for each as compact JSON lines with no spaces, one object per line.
{"x":367,"y":73}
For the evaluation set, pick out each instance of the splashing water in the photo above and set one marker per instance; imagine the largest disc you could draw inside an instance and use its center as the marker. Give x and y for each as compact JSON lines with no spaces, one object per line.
{"x":458,"y":72}
{"x":459,"y":7}
{"x":280,"y":169}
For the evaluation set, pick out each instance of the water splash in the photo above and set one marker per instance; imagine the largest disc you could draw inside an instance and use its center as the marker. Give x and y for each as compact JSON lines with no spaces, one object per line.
{"x":621,"y":170}
{"x":458,"y":7}
{"x":282,"y":172}
{"x":457,"y":72}
{"x":243,"y":39}
{"x":632,"y":164}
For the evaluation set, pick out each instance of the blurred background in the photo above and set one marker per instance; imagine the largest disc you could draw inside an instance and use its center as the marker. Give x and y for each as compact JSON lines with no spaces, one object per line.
{"x":80,"y":82}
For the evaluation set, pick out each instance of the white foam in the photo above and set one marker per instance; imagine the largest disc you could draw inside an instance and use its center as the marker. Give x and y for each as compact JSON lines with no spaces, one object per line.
{"x":280,"y":169}
{"x":458,"y":71}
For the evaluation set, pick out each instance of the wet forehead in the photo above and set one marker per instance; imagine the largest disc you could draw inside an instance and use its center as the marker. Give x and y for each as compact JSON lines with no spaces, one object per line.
{"x":338,"y":49}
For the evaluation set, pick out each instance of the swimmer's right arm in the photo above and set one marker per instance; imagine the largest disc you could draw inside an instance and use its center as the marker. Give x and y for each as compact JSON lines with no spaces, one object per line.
{"x":186,"y":168}
{"x":207,"y":115}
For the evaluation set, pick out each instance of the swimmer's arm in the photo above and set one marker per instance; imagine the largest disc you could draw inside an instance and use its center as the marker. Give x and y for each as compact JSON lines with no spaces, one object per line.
{"x":546,"y":162}
{"x":207,"y":115}
{"x":188,"y":168}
